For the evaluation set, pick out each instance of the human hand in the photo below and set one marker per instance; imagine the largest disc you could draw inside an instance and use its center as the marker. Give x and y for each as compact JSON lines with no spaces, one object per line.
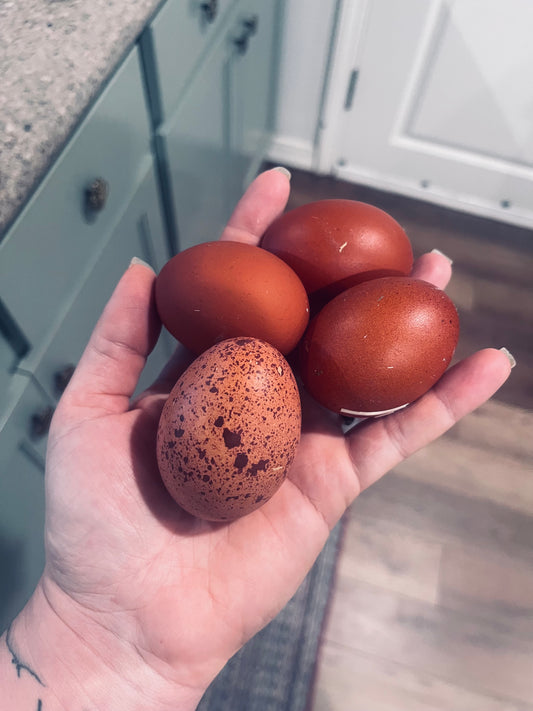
{"x":152,"y":601}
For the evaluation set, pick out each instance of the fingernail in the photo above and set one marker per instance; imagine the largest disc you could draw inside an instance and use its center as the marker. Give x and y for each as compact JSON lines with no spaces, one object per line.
{"x":512,"y":359}
{"x":136,"y":260}
{"x":437,"y":251}
{"x":284,"y":171}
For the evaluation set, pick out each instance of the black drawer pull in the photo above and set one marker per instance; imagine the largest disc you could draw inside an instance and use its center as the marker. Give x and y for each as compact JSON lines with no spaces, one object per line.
{"x":62,"y":378}
{"x":210,"y":10}
{"x":249,"y":28}
{"x":40,"y":422}
{"x":96,"y":195}
{"x":250,"y":24}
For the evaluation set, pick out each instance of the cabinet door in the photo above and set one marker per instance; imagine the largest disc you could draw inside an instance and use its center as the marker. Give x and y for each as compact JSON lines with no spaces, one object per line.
{"x":198,"y":159}
{"x":253,"y":78}
{"x":22,"y":446}
{"x":448,"y":119}
{"x":215,"y":141}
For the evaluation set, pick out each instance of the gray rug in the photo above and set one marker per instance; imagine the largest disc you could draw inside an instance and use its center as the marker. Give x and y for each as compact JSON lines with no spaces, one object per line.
{"x":275,"y":670}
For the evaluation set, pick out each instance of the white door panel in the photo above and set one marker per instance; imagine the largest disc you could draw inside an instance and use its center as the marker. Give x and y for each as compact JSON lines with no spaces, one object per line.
{"x":472,"y":89}
{"x":443,"y":106}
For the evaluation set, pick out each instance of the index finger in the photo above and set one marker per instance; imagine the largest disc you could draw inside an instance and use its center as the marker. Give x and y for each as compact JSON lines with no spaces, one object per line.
{"x":264,"y":200}
{"x":126,"y":332}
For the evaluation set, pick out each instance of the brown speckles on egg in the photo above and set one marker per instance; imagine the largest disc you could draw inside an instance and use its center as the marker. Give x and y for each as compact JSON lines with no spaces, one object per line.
{"x":237,"y":440}
{"x":241,"y":460}
{"x":231,"y":439}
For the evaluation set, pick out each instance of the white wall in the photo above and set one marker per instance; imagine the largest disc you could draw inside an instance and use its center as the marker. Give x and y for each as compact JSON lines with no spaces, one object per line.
{"x":305,"y":46}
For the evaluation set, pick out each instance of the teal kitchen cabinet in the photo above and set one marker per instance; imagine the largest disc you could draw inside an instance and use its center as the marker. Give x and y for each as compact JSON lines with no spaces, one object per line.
{"x":164,"y":153}
{"x":213,"y":131}
{"x":100,"y":198}
{"x":98,"y":207}
{"x":60,"y":233}
{"x":39,"y":382}
{"x":174,"y":46}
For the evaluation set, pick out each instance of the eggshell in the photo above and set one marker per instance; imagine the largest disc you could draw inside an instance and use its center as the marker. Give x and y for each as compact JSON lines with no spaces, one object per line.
{"x":219,"y":290}
{"x":335,"y":244}
{"x":229,"y":430}
{"x":379,"y":345}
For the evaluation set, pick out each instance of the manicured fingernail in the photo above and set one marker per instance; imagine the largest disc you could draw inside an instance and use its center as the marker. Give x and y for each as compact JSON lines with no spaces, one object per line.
{"x":437,"y":251}
{"x":512,"y":359}
{"x":136,"y":260}
{"x":283,"y":170}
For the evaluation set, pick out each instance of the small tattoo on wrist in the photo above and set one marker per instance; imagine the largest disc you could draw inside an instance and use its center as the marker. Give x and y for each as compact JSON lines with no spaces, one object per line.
{"x":19,"y":665}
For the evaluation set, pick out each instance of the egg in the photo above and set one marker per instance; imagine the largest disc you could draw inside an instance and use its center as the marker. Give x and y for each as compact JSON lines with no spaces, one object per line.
{"x":219,"y":290}
{"x":335,"y":244}
{"x":378,"y":346}
{"x":229,"y":430}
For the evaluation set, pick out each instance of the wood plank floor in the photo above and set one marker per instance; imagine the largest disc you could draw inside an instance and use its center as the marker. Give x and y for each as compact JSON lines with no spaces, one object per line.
{"x":433,"y":602}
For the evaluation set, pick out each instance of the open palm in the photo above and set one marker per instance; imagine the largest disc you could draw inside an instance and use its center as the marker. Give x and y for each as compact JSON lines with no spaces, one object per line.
{"x":183,"y":593}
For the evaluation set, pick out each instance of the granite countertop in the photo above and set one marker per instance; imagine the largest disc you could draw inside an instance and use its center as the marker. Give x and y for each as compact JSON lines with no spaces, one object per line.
{"x":55,"y":56}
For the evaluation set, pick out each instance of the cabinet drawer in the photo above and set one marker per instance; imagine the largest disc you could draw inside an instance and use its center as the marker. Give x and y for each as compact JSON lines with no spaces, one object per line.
{"x":181,"y":34}
{"x":61,"y":231}
{"x":140,"y":233}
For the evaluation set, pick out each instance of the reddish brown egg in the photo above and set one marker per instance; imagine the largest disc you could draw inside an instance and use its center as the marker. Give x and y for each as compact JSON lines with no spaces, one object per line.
{"x":335,"y":244}
{"x":379,"y":345}
{"x":229,"y":430}
{"x":219,"y":290}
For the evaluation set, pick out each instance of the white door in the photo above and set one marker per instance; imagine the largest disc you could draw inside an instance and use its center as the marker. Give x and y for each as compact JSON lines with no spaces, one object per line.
{"x":434,"y":99}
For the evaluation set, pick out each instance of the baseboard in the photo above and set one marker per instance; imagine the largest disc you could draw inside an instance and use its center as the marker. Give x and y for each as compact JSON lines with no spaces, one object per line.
{"x":467,"y":204}
{"x":291,"y":152}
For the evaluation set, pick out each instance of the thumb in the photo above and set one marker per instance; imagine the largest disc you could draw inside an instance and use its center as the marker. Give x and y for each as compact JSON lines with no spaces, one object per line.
{"x":124,"y":336}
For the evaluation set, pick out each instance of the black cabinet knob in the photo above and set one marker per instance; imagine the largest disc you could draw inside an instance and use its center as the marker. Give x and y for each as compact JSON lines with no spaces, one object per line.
{"x":250,"y":24}
{"x":62,"y":378}
{"x":40,"y":422}
{"x":241,"y":43}
{"x":96,"y":194}
{"x":210,"y":10}
{"x":248,"y":29}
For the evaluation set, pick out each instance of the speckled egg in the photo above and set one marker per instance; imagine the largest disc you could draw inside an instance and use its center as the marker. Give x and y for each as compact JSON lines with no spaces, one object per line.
{"x":379,"y":345}
{"x":229,"y":430}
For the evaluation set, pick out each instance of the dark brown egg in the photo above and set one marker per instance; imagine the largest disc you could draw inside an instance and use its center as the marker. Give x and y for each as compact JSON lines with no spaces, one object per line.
{"x":335,"y":244}
{"x":229,"y":430}
{"x":379,"y":345}
{"x":219,"y":290}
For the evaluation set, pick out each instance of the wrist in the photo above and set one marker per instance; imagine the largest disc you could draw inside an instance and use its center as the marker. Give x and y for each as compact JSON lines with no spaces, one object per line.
{"x":55,"y":657}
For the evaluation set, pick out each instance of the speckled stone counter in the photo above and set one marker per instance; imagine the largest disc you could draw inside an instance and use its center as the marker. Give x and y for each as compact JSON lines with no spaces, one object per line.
{"x":55,"y":55}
